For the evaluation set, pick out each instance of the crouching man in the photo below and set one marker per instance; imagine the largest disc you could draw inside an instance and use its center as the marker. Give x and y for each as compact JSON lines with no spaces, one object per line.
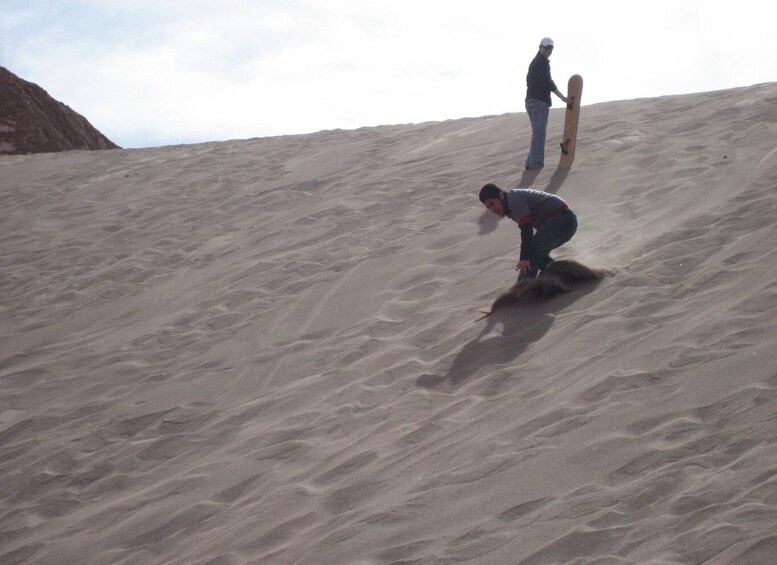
{"x":545,"y":220}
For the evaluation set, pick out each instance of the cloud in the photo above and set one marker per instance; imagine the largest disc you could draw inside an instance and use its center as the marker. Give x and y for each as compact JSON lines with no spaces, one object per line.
{"x":155,"y":72}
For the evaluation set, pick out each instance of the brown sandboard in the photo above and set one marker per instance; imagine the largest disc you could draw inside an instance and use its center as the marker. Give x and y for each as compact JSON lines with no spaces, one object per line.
{"x":569,"y":140}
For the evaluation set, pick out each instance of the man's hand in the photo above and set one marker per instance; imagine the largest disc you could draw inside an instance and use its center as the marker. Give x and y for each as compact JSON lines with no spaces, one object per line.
{"x":566,"y":99}
{"x":523,"y":267}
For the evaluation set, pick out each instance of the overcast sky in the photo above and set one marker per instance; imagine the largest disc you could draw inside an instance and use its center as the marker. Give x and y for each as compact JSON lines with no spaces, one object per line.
{"x":156,"y":72}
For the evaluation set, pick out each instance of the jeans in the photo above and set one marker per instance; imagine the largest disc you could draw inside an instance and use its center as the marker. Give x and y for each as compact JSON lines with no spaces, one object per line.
{"x":552,"y":233}
{"x":538,"y":115}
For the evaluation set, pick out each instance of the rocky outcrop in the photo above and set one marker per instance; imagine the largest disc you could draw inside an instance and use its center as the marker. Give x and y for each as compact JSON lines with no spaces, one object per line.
{"x":31,"y":121}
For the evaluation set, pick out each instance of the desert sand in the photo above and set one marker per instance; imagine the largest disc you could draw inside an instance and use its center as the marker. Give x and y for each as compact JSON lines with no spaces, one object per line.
{"x":268,"y":350}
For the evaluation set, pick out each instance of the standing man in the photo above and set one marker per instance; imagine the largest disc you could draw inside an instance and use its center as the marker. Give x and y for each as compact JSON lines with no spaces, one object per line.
{"x":539,"y":85}
{"x":533,"y":210}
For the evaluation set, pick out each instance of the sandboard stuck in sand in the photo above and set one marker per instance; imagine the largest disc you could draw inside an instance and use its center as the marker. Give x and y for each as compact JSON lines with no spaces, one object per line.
{"x":571,"y":119}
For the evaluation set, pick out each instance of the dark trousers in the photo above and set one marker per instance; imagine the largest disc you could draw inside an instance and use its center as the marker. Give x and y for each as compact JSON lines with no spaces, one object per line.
{"x":552,"y":233}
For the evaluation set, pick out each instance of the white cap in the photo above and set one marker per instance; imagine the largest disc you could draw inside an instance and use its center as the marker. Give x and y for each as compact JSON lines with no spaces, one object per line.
{"x":546,"y":42}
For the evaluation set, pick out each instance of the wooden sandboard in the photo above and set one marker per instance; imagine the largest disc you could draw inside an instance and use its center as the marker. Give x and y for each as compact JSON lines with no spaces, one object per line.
{"x":569,"y":140}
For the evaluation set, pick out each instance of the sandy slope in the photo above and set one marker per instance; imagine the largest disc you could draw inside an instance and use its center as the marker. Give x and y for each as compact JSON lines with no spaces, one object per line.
{"x":265,"y":351}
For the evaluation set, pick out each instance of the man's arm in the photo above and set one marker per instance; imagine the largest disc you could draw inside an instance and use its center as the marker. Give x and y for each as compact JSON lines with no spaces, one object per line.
{"x":565,"y":99}
{"x":527,"y":235}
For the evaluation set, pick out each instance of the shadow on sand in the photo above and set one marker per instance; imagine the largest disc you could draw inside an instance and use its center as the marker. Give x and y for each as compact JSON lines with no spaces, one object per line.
{"x":528,"y":177}
{"x":558,"y":178}
{"x":521,"y":325}
{"x":525,"y":314}
{"x":488,"y":222}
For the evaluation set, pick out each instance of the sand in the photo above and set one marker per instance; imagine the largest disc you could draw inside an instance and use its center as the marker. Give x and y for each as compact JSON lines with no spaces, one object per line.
{"x":266,"y":350}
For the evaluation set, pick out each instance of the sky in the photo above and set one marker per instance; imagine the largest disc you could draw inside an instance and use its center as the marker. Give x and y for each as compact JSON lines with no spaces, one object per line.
{"x":148,"y":73}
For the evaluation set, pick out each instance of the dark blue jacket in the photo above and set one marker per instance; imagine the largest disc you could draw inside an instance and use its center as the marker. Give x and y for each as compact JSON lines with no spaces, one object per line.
{"x":539,"y":85}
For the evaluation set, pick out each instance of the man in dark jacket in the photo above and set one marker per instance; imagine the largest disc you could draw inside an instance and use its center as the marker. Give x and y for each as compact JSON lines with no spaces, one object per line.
{"x":539,"y":85}
{"x":533,"y":210}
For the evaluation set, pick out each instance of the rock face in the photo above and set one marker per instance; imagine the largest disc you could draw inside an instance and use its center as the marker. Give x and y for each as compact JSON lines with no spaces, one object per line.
{"x":31,"y":121}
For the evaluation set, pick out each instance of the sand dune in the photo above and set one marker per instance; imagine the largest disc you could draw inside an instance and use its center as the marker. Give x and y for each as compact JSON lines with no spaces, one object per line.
{"x":266,"y":351}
